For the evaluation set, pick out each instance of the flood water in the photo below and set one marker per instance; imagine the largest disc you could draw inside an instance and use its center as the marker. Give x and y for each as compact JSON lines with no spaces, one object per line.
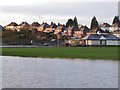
{"x":18,"y":72}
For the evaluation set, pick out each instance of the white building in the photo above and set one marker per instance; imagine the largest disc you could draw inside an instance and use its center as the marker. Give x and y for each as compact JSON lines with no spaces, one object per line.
{"x":101,"y":39}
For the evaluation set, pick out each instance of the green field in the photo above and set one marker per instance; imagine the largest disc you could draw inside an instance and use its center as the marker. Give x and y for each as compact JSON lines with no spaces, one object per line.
{"x":72,"y":52}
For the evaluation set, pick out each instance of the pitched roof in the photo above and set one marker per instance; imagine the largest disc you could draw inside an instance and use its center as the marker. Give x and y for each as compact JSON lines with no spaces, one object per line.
{"x":54,"y":25}
{"x":13,"y":24}
{"x":35,"y":24}
{"x":24,"y":24}
{"x":101,"y":36}
{"x":1,"y":27}
{"x":105,"y":25}
{"x":110,"y":37}
{"x":101,"y":31}
{"x":63,"y":28}
{"x":116,"y":32}
{"x":86,"y":29}
{"x":46,"y":25}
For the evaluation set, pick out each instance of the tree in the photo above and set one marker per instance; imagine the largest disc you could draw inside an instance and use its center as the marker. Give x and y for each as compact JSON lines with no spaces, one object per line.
{"x":75,"y":23}
{"x":69,"y":23}
{"x":94,"y":23}
{"x":116,"y":20}
{"x":8,"y":37}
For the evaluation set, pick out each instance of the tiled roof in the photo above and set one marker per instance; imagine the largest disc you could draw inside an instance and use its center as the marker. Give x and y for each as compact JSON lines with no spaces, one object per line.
{"x":13,"y":24}
{"x":1,"y":27}
{"x":101,"y":31}
{"x":46,"y":25}
{"x":86,"y":29}
{"x":98,"y":37}
{"x":24,"y":24}
{"x":35,"y":24}
{"x":105,"y":25}
{"x":110,"y":37}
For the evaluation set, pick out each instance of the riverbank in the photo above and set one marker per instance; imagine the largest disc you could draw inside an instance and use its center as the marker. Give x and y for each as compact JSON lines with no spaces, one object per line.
{"x":110,"y":53}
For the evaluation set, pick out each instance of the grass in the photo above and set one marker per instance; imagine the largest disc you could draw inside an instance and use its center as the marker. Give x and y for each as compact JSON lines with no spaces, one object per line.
{"x":110,"y":53}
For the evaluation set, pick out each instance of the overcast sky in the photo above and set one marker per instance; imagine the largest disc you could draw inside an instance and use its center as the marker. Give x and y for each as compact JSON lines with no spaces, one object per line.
{"x":57,"y":11}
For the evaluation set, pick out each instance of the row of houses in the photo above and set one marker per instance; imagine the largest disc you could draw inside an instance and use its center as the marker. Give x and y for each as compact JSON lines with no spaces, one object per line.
{"x":44,"y":27}
{"x":104,"y":34}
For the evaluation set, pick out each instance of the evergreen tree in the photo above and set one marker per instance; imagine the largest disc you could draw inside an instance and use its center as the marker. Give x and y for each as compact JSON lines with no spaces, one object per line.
{"x":75,"y":23}
{"x":116,"y":20}
{"x":69,"y":23}
{"x":94,"y":23}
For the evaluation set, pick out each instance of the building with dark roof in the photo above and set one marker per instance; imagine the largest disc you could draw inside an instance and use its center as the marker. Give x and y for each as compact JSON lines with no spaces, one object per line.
{"x":23,"y":26}
{"x":101,"y":39}
{"x":116,"y":33}
{"x":1,"y":27}
{"x":11,"y":26}
{"x":83,"y":30}
{"x":35,"y":24}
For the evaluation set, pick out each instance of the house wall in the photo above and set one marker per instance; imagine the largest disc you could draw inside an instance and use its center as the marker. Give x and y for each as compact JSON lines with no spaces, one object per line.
{"x":117,"y":35}
{"x":40,"y":28}
{"x":92,"y":42}
{"x":112,"y":42}
{"x":11,"y":27}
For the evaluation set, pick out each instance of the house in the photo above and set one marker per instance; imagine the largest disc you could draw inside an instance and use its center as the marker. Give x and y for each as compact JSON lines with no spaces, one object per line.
{"x":1,"y":27}
{"x":116,"y":33}
{"x":11,"y":26}
{"x":48,"y":28}
{"x":58,"y":29}
{"x":114,"y":27}
{"x":34,"y":25}
{"x":40,"y":28}
{"x":101,"y":39}
{"x":68,"y":31}
{"x":105,"y":26}
{"x":101,"y":31}
{"x":81,"y":32}
{"x":97,"y":30}
{"x":23,"y":26}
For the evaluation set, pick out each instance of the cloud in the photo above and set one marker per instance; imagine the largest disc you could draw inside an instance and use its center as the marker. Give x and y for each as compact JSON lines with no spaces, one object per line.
{"x":61,"y":11}
{"x":88,"y":8}
{"x":35,"y":2}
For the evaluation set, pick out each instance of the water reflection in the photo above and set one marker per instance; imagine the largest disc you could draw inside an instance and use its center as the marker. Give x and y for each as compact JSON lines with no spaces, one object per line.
{"x":21,"y":72}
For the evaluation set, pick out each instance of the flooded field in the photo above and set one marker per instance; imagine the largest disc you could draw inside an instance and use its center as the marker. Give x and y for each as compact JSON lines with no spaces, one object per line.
{"x":18,"y":72}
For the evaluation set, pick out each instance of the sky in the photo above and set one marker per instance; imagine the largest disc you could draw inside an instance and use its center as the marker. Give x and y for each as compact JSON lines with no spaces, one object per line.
{"x":57,"y":11}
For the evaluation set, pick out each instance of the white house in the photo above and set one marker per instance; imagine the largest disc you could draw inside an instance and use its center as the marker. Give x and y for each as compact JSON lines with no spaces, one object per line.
{"x":101,"y":39}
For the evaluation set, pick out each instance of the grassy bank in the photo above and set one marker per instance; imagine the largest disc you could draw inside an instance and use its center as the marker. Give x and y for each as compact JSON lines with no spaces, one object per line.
{"x":75,"y":52}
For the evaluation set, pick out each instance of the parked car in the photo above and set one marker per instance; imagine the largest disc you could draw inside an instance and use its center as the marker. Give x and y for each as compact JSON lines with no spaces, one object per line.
{"x":45,"y":44}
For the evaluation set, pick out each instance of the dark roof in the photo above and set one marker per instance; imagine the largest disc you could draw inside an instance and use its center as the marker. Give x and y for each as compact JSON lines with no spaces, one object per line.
{"x":13,"y":24}
{"x":35,"y":24}
{"x":97,"y":37}
{"x":94,"y":37}
{"x":54,"y":25}
{"x":101,"y":31}
{"x":46,"y":25}
{"x":86,"y":29}
{"x":105,"y":25}
{"x":64,"y":28}
{"x":24,"y":24}
{"x":110,"y":37}
{"x":1,"y":27}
